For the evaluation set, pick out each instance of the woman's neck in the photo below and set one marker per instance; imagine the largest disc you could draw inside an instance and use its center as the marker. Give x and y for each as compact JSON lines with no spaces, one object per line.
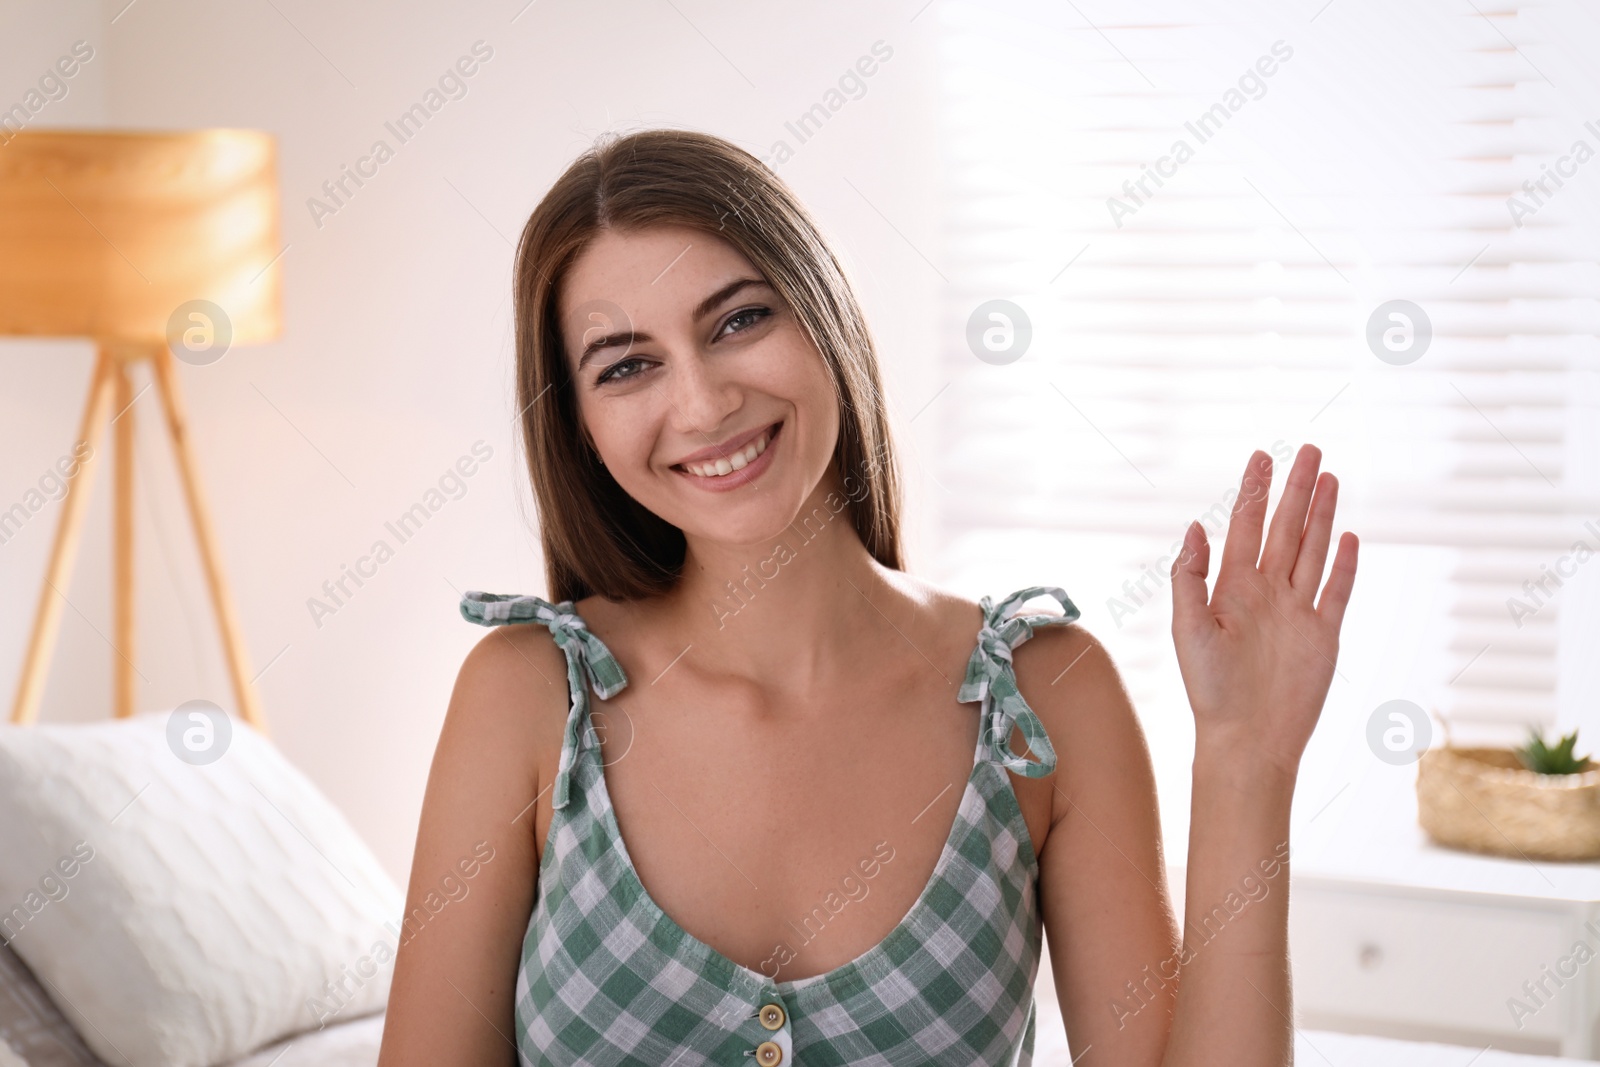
{"x":788,"y":609}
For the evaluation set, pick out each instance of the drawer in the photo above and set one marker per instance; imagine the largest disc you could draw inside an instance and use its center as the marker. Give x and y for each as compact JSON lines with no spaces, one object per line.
{"x":1368,"y":954}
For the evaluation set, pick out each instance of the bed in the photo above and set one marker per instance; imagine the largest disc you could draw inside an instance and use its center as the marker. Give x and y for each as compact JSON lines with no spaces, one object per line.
{"x":1312,"y":1048}
{"x":36,"y":1035}
{"x":33,"y":1033}
{"x":1352,"y":1050}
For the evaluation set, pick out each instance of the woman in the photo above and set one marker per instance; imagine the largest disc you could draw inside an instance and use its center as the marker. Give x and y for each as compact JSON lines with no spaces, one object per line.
{"x":849,"y":799}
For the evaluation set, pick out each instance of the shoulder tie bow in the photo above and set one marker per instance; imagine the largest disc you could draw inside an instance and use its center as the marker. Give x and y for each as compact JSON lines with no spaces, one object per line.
{"x":991,"y":680}
{"x":588,"y":659}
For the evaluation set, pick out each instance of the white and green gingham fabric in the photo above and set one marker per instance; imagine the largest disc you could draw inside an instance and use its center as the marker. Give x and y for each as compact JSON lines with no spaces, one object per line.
{"x":610,"y":980}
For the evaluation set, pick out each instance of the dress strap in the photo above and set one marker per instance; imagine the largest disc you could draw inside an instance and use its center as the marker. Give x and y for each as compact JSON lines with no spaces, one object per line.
{"x":991,"y":681}
{"x":588,"y":660}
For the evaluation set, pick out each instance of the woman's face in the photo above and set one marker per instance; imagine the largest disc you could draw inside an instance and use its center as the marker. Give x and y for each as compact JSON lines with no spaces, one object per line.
{"x":697,"y":385}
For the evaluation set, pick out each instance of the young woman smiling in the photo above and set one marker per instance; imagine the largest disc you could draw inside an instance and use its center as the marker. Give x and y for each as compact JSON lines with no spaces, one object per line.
{"x":668,"y":788}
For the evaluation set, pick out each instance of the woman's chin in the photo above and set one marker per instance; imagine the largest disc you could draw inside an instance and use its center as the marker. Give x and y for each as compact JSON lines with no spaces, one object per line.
{"x":755,"y":524}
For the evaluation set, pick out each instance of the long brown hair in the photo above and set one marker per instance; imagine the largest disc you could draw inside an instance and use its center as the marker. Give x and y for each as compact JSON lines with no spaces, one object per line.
{"x":597,"y":539}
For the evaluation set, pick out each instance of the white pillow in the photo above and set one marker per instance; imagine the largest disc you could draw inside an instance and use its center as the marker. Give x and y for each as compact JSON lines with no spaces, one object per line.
{"x":183,"y":913}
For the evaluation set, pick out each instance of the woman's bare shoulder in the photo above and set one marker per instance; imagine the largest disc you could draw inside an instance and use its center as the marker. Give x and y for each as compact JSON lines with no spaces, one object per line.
{"x":514,"y":677}
{"x":1072,"y":683}
{"x":1062,"y":666}
{"x":963,"y":616}
{"x":1063,"y":670}
{"x":939,"y":605}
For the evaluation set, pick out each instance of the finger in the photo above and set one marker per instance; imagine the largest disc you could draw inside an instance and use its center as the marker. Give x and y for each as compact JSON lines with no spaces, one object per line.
{"x":1336,"y":594}
{"x":1289,"y":521}
{"x":1314,"y":545}
{"x":1243,"y":543}
{"x":1189,"y":601}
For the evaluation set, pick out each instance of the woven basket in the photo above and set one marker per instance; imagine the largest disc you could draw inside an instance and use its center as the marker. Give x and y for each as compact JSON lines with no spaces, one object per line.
{"x":1483,"y":800}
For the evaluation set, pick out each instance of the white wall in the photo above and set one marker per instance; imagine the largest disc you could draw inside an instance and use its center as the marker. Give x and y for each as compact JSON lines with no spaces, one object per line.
{"x":42,"y":382}
{"x":396,"y":355}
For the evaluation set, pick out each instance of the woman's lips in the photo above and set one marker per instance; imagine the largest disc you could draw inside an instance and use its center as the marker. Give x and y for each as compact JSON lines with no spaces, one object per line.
{"x":737,"y":468}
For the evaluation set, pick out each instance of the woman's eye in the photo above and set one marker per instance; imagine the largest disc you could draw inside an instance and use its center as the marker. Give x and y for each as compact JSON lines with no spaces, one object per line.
{"x":748,"y":316}
{"x":622,"y":368}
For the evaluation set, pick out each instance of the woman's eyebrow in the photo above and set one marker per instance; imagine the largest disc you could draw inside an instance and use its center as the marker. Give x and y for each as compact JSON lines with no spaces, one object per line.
{"x":622,"y":339}
{"x":628,"y":338}
{"x":705,"y":306}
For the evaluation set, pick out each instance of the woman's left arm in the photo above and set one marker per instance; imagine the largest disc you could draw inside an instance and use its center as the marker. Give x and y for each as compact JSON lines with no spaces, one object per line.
{"x":1257,"y":658}
{"x":1102,"y":882}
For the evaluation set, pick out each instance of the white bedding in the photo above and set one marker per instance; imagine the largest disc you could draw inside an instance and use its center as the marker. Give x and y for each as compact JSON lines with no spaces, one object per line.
{"x":355,"y":1044}
{"x":182,"y":912}
{"x":1312,"y":1048}
{"x":1350,"y":1050}
{"x":1319,"y":1048}
{"x":351,"y":1044}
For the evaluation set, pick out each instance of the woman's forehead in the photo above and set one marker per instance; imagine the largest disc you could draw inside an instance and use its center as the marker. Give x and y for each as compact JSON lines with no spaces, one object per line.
{"x":644,"y":260}
{"x":647,"y":275}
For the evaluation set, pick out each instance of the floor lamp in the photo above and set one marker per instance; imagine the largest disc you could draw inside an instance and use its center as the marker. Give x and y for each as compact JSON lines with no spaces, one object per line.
{"x":159,"y":247}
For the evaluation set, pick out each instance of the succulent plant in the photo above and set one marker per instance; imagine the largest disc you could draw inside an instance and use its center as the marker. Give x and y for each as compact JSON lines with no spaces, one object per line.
{"x":1552,"y":759}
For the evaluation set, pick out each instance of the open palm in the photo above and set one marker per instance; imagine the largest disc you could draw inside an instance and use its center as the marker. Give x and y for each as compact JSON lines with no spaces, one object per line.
{"x":1258,"y":654}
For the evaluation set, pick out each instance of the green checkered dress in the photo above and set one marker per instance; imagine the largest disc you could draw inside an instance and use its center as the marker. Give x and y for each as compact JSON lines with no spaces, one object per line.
{"x":608,"y":978}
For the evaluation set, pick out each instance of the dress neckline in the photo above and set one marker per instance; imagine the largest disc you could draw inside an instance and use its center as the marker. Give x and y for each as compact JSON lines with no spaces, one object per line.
{"x":864,"y":968}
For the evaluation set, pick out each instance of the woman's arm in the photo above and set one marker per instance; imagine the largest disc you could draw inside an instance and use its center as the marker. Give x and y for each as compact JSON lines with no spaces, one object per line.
{"x":1102,"y":882}
{"x":474,"y":870}
{"x":1257,"y":658}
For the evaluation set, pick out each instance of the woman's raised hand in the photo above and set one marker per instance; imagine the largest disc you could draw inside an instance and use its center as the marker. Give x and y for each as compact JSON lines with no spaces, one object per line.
{"x":1258,"y":654}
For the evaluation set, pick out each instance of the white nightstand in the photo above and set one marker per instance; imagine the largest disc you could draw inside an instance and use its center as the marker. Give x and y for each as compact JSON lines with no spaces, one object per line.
{"x":1394,"y":936}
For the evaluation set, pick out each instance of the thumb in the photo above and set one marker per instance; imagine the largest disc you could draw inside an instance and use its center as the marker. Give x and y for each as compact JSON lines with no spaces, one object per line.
{"x":1191,"y":612}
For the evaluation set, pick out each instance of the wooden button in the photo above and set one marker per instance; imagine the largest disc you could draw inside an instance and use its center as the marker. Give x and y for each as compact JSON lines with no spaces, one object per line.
{"x":768,"y":1054}
{"x":772,"y":1016}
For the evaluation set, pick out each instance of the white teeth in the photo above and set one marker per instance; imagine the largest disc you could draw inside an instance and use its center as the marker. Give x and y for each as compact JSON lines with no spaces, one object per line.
{"x":738,"y":461}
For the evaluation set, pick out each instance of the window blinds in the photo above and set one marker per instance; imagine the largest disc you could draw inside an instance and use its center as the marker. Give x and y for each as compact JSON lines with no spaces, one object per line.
{"x":1199,"y":207}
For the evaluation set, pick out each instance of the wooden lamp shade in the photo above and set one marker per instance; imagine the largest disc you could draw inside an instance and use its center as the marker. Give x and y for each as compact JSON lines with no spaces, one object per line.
{"x":114,"y":236}
{"x":105,"y":234}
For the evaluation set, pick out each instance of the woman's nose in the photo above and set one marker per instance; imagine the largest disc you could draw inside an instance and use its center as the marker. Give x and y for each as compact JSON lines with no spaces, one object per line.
{"x":701,"y":398}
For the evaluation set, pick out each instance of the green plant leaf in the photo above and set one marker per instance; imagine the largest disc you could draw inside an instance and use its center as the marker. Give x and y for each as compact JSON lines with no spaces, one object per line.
{"x":1540,"y":758}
